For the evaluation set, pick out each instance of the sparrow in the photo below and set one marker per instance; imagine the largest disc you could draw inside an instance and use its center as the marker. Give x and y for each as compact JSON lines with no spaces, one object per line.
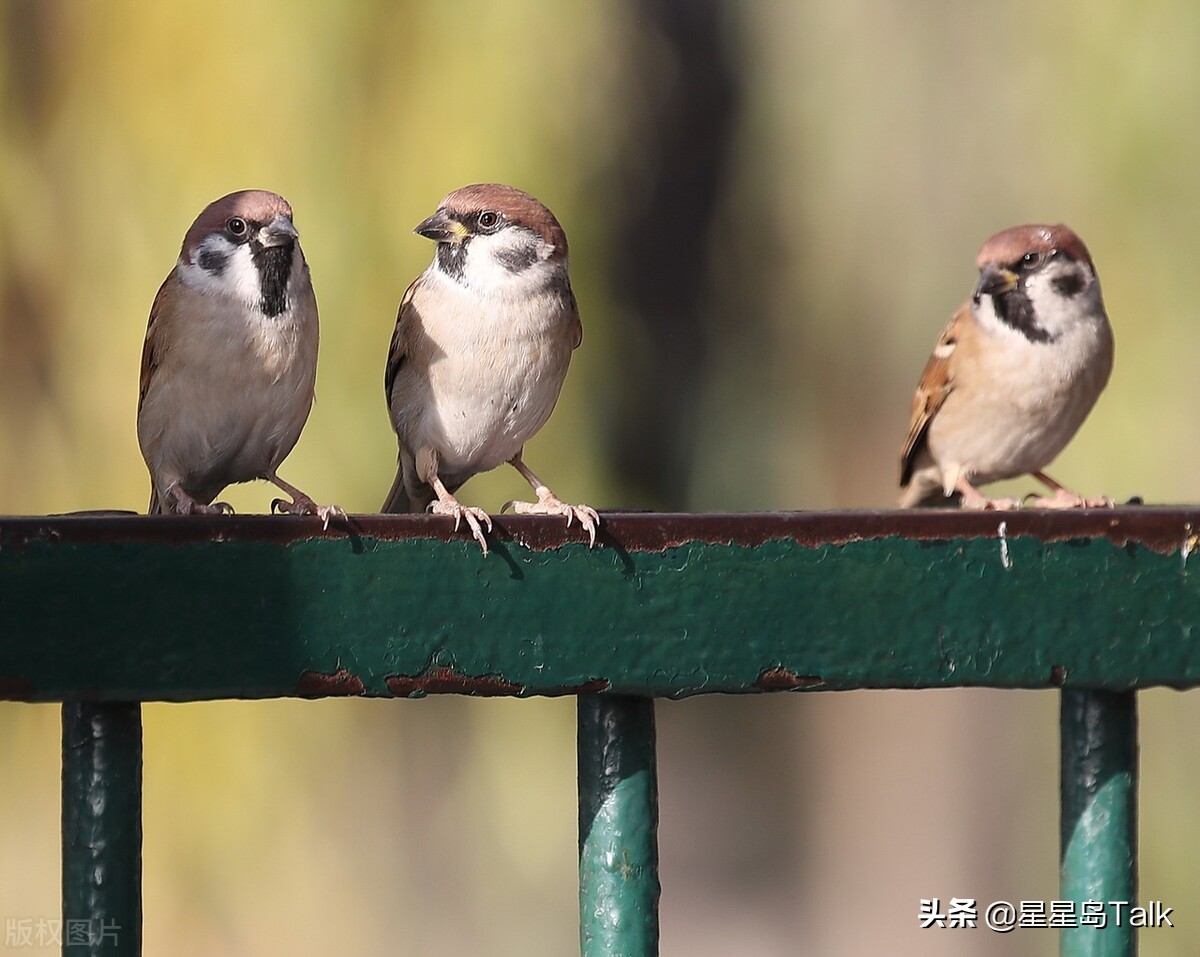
{"x":230,"y":359}
{"x":481,"y":347}
{"x":1013,"y":375}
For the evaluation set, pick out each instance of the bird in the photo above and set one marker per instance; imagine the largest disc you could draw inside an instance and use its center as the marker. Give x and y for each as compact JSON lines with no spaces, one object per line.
{"x":230,"y":359}
{"x":1012,"y":376}
{"x":481,"y":346}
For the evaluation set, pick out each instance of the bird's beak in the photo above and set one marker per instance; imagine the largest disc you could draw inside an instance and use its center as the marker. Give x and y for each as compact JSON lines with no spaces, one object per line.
{"x":995,"y":280}
{"x":440,"y":227}
{"x":278,"y":231}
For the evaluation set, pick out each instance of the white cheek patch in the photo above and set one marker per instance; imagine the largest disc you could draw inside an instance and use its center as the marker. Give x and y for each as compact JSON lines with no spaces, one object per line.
{"x":1059,"y":313}
{"x":223,"y":269}
{"x":516,"y":248}
{"x":510,"y":263}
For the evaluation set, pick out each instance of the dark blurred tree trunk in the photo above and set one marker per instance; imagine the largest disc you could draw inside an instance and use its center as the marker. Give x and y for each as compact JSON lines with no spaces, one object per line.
{"x":662,"y":260}
{"x":730,"y":804}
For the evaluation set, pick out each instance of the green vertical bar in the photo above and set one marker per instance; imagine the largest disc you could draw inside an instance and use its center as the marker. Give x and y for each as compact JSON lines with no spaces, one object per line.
{"x":102,"y":830}
{"x":618,"y":827}
{"x":1099,"y":819}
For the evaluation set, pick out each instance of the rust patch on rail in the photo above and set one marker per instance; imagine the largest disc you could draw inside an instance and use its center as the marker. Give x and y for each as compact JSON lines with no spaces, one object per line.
{"x":1163,"y":529}
{"x":16,"y":689}
{"x":318,"y":684}
{"x":782,"y":679}
{"x":595,"y":686}
{"x":444,"y":680}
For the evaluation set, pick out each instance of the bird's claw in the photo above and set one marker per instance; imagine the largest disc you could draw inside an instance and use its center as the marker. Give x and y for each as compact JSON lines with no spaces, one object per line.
{"x":983,"y":503}
{"x":550,"y":504}
{"x":1065,"y":498}
{"x":186,"y":505}
{"x":327,"y":512}
{"x":475,"y":518}
{"x":303,"y":505}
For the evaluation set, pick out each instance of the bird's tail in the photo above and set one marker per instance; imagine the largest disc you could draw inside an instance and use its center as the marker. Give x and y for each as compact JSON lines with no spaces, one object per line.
{"x":918,"y":494}
{"x":398,"y":500}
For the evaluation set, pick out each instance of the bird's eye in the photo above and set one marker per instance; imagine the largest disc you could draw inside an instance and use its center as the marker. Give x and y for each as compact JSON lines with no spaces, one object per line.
{"x":489,"y":220}
{"x":236,"y":226}
{"x":1031,"y":260}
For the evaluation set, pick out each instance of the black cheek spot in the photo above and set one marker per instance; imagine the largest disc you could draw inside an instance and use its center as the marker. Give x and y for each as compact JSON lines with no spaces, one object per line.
{"x":212,"y":261}
{"x":519,"y":259}
{"x":1068,"y":285}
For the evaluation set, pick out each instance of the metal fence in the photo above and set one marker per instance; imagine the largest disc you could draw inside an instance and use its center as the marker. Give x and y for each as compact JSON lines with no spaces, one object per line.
{"x":1097,"y":604}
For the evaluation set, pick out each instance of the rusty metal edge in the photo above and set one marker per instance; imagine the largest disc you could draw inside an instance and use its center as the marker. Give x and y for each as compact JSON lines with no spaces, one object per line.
{"x":1164,"y":529}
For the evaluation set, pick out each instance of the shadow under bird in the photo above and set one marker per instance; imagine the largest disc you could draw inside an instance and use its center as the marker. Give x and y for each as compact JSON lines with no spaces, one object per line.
{"x":1013,"y":375}
{"x":480,"y":351}
{"x":230,"y":359}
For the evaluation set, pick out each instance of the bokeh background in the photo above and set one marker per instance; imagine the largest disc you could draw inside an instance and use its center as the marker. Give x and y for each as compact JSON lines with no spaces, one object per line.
{"x":773,"y":207}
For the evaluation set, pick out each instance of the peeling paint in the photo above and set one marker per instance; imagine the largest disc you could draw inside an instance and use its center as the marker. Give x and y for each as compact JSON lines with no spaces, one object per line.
{"x":781,"y":679}
{"x":1005,"y":558}
{"x":16,"y":689}
{"x":1159,"y":528}
{"x":1190,"y":541}
{"x":594,"y":686}
{"x":444,"y":680}
{"x":317,"y":684}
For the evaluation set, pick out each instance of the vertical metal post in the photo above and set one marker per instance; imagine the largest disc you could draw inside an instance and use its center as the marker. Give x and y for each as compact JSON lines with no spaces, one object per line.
{"x":618,"y":827}
{"x":1098,"y":853}
{"x":102,"y":830}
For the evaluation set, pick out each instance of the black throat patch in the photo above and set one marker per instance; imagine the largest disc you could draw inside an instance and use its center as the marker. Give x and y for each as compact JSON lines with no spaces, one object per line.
{"x":452,"y":259}
{"x":1016,"y":310}
{"x":274,"y":267}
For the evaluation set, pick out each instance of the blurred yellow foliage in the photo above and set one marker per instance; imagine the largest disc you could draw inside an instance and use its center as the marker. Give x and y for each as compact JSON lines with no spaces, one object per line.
{"x":876,"y":146}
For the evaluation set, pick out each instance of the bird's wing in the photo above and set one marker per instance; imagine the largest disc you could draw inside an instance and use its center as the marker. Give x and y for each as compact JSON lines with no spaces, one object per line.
{"x":153,"y":347}
{"x":401,"y":339}
{"x":937,"y":382}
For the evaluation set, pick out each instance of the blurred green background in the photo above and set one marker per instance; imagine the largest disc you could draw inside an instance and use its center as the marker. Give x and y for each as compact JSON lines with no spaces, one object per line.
{"x":773,"y":207}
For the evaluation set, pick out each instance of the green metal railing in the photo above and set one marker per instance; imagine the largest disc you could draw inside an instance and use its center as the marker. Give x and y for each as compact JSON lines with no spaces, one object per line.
{"x":102,"y":613}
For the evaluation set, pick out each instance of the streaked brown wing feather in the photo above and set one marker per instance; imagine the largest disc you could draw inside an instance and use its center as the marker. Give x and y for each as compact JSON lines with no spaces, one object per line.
{"x":151,"y":347}
{"x":937,"y":382}
{"x":398,"y":350}
{"x":577,"y":323}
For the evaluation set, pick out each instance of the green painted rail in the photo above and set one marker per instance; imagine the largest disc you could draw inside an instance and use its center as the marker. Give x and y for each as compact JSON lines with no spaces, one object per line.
{"x":101,"y":612}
